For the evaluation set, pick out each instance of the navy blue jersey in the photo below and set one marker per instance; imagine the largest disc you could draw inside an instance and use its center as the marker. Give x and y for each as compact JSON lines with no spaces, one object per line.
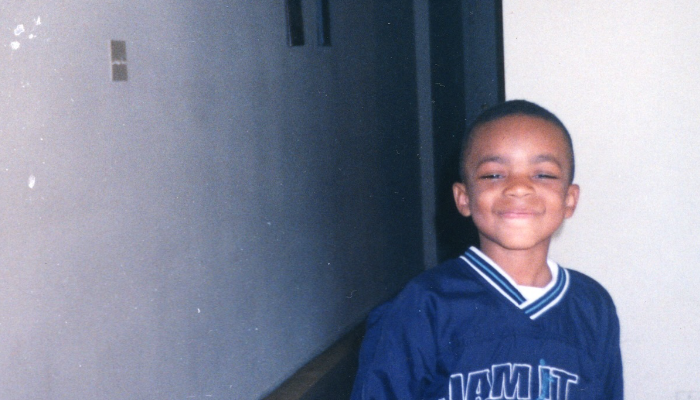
{"x":463,"y":331}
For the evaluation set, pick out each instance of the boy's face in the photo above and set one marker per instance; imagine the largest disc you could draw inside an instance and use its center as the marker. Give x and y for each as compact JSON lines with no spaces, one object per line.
{"x":517,"y":187}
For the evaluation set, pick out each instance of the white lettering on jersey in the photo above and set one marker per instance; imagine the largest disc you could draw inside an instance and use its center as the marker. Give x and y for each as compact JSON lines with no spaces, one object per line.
{"x":511,"y":382}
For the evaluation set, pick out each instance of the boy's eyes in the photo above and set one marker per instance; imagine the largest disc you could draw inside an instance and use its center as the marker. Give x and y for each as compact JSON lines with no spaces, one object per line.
{"x":491,"y":176}
{"x":546,"y":176}
{"x":540,"y":175}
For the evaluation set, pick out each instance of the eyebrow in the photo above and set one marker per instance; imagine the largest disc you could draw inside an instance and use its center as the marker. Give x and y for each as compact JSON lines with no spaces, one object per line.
{"x":488,"y":159}
{"x":542,"y":158}
{"x":547,"y":158}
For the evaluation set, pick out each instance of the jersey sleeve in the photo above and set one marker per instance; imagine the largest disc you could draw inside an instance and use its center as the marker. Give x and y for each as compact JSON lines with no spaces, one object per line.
{"x":397,"y":357}
{"x":613,"y":380}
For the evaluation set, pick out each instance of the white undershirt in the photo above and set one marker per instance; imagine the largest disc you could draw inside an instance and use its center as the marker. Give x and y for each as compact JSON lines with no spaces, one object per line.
{"x":532,"y":292}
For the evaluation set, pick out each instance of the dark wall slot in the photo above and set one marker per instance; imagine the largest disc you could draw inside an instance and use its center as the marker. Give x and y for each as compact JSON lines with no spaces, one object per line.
{"x":295,"y":23}
{"x":323,"y":23}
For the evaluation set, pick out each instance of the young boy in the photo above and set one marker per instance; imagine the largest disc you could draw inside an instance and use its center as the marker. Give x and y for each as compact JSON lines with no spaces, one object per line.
{"x":501,"y":321}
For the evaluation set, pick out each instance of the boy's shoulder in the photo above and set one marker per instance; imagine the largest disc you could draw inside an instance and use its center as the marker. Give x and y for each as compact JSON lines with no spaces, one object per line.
{"x":449,"y":277}
{"x":585,"y":282}
{"x":425,"y":295}
{"x":589,"y":292}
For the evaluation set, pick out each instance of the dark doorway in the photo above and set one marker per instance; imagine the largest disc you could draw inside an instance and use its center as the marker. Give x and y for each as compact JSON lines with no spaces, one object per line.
{"x":466,"y":46}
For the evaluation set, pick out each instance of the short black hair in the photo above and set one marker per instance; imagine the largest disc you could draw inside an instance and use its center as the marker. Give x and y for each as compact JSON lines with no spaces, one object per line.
{"x":505,"y":109}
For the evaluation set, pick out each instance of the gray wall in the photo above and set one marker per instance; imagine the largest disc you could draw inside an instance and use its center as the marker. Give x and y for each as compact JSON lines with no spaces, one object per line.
{"x":205,"y":228}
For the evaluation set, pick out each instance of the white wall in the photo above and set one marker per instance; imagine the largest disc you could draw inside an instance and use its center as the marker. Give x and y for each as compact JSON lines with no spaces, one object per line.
{"x":204,"y":229}
{"x":625,"y":79}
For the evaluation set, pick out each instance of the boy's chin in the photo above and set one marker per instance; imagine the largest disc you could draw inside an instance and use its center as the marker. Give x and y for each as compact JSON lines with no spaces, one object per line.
{"x":515,"y":244}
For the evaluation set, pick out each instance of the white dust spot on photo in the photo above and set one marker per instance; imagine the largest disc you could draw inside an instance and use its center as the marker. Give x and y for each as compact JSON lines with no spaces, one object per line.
{"x":32,"y":181}
{"x":37,"y":21}
{"x":14,"y":45}
{"x":19,"y":29}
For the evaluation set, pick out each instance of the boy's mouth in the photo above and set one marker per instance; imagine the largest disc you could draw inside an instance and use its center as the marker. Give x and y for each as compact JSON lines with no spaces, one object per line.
{"x":517,"y":213}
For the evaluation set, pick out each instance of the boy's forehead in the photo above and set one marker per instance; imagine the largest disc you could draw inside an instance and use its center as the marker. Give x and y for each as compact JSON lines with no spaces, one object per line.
{"x":506,"y":130}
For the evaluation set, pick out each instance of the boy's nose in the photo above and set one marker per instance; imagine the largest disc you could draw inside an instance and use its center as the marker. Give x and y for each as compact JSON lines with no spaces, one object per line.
{"x":518,"y":186}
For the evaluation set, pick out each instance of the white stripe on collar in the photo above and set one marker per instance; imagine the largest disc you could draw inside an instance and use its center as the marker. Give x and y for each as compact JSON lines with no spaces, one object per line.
{"x":505,"y":285}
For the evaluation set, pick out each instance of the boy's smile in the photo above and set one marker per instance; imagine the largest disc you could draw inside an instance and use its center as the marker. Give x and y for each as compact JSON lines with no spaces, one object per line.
{"x":517,"y":184}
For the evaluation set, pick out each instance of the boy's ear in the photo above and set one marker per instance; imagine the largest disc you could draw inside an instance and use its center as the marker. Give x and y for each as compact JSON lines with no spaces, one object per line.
{"x":571,"y":200}
{"x":459,"y":190}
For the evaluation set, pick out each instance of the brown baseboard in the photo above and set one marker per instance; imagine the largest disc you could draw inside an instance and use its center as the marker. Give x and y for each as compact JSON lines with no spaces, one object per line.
{"x":328,"y":376}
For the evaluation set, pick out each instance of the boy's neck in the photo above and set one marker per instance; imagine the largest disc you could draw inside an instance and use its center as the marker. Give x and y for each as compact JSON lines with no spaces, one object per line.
{"x":526,"y":267}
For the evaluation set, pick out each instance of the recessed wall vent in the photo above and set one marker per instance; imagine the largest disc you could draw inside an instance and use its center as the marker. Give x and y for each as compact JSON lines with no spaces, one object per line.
{"x":118,"y":54}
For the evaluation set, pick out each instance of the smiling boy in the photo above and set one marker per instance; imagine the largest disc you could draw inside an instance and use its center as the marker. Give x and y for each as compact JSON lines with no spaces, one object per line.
{"x":502,"y":321}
